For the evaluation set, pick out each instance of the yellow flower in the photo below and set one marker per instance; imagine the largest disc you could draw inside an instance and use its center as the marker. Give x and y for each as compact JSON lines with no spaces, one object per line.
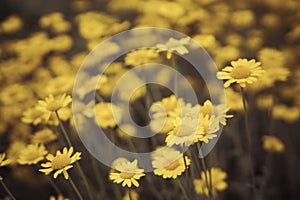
{"x":55,"y":22}
{"x":61,"y":162}
{"x":104,"y":115}
{"x":43,"y":136}
{"x":14,"y":151}
{"x":242,"y":19}
{"x":242,"y":72}
{"x":217,"y":182}
{"x":11,"y":24}
{"x":174,"y":45}
{"x":141,"y":56}
{"x":51,"y":104}
{"x":127,"y":173}
{"x":168,"y":162}
{"x":32,"y":154}
{"x":273,"y":144}
{"x":286,"y":113}
{"x":2,"y":161}
{"x":272,"y":58}
{"x":33,"y":115}
{"x":208,"y":126}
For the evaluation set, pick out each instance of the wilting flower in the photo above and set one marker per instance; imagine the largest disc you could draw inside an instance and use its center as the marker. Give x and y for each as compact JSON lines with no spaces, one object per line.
{"x":242,"y":72}
{"x":61,"y":162}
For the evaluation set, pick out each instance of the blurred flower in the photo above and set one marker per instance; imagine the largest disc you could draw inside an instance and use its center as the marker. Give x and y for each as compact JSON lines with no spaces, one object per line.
{"x":173,"y":45}
{"x":59,"y":197}
{"x":32,"y":154}
{"x":141,"y":56}
{"x":61,"y":162}
{"x":14,"y":150}
{"x":217,"y":182}
{"x":43,"y":136}
{"x":271,"y":58}
{"x":168,"y":162}
{"x":127,"y":173}
{"x":286,"y":113}
{"x":3,"y":161}
{"x":11,"y":24}
{"x":207,"y":127}
{"x":51,"y":104}
{"x":242,"y":71}
{"x":242,"y":19}
{"x":33,"y":115}
{"x":264,"y":102}
{"x":273,"y":144}
{"x":55,"y":22}
{"x":104,"y":114}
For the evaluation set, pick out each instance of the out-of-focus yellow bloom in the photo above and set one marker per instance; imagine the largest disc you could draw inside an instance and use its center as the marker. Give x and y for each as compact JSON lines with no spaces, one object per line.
{"x":33,"y":115}
{"x":61,"y":162}
{"x":104,"y":115}
{"x":286,"y":113}
{"x":242,"y":19}
{"x":55,"y":22}
{"x":242,"y":72}
{"x":168,"y":162}
{"x":43,"y":136}
{"x":127,"y":173}
{"x":11,"y":24}
{"x":59,"y":197}
{"x":207,"y":41}
{"x":273,"y":144}
{"x":271,"y":58}
{"x":61,"y":43}
{"x":14,"y":151}
{"x":141,"y":56}
{"x":32,"y":154}
{"x":217,"y":182}
{"x":271,"y":20}
{"x":264,"y":102}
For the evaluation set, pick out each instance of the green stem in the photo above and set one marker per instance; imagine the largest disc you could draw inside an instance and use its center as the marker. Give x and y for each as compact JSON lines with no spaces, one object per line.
{"x":76,"y":163}
{"x":75,"y":189}
{"x":248,"y":140}
{"x":7,"y":190}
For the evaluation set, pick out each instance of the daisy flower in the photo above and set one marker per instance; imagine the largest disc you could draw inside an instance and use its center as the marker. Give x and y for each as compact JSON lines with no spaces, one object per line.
{"x":208,"y":126}
{"x":168,"y":163}
{"x":174,"y":45}
{"x":61,"y":162}
{"x":51,"y":104}
{"x":104,"y":115}
{"x":242,"y":72}
{"x":33,"y":116}
{"x":141,"y":56}
{"x":32,"y":154}
{"x":127,"y":173}
{"x":217,"y":182}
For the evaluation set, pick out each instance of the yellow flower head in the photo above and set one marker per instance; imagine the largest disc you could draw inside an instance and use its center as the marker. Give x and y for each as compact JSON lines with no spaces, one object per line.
{"x":12,"y":24}
{"x":32,"y":154}
{"x":127,"y":173}
{"x":217,"y":182}
{"x":61,"y":162}
{"x":43,"y":136}
{"x":168,"y":162}
{"x":273,"y":144}
{"x":141,"y":56}
{"x":242,"y":72}
{"x":33,"y":115}
{"x":51,"y":104}
{"x":3,"y":161}
{"x":104,"y":115}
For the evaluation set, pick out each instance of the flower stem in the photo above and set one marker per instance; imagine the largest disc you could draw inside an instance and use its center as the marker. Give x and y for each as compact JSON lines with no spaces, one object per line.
{"x":129,"y":194}
{"x":248,"y":140}
{"x":75,"y":189}
{"x":203,"y":165}
{"x":77,"y":164}
{"x":7,"y":190}
{"x":183,"y":190}
{"x":187,"y":173}
{"x":176,"y":77}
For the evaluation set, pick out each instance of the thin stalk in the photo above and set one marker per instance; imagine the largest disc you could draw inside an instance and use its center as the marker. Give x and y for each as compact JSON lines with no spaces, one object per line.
{"x":54,"y":186}
{"x":129,"y":194}
{"x":208,"y":179}
{"x":75,"y":189}
{"x":7,"y":190}
{"x":248,"y":140}
{"x":176,"y":77}
{"x":76,"y":163}
{"x":183,"y":190}
{"x":187,"y":173}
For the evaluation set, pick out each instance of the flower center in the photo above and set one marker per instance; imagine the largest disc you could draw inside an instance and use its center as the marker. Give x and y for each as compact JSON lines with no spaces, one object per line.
{"x":126,"y":175}
{"x":54,"y":105}
{"x":172,"y":165}
{"x":60,"y":161}
{"x":240,"y":72}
